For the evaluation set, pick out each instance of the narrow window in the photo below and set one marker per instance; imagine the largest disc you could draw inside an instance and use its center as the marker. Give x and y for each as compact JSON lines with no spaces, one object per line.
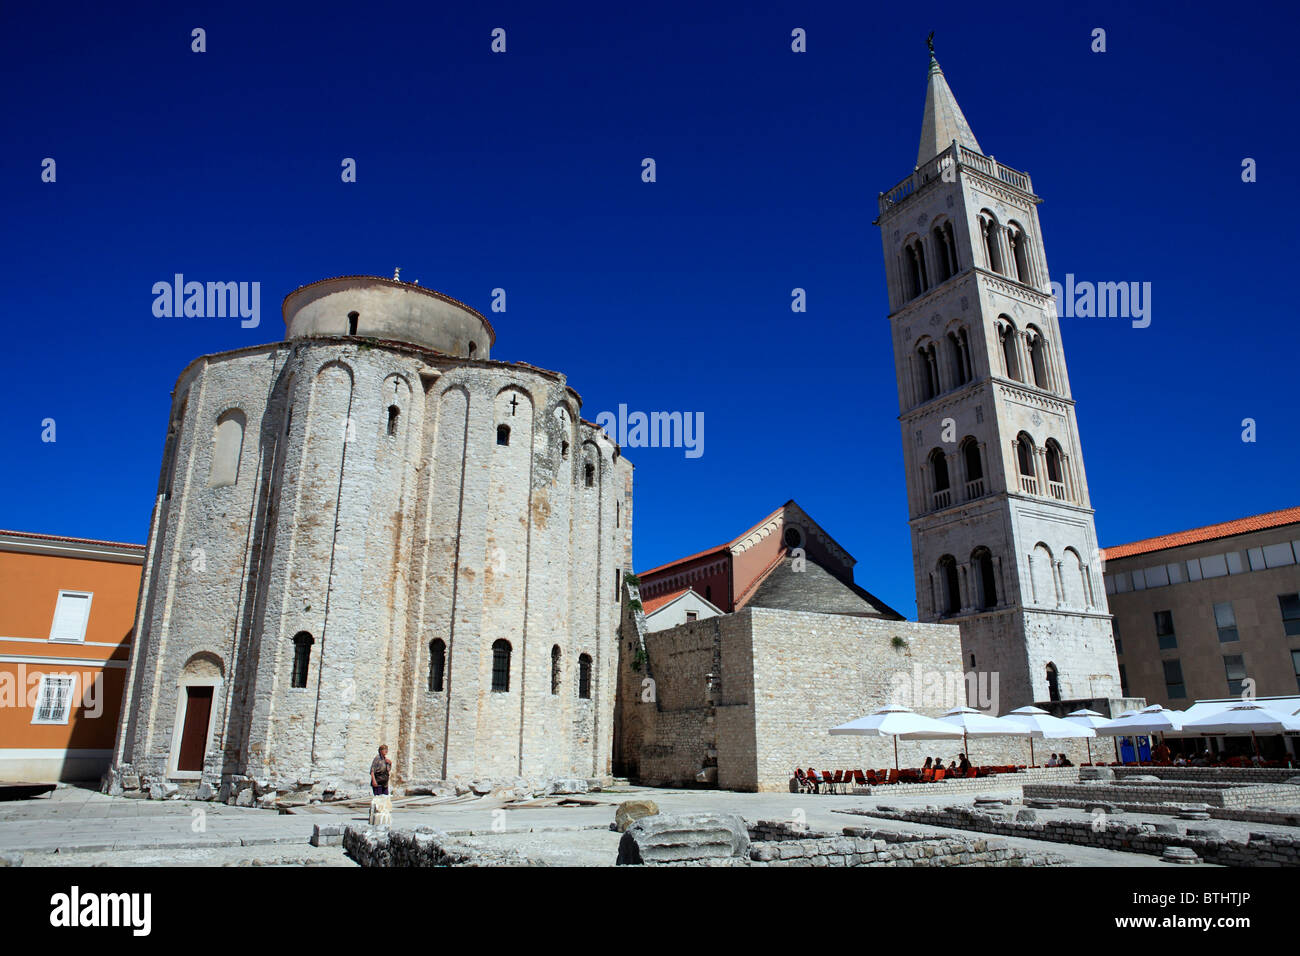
{"x":1123,"y":680}
{"x":1175,"y":689}
{"x":1114,"y":630}
{"x":1234,"y":668}
{"x":951,"y":589}
{"x":353,"y":318}
{"x":1226,"y":622}
{"x":618,"y":514}
{"x":555,"y":669}
{"x":71,"y":616}
{"x":589,"y":475}
{"x":54,"y":699}
{"x":692,"y":616}
{"x":503,"y":434}
{"x":501,"y":666}
{"x":564,"y":449}
{"x":302,"y":642}
{"x":1009,"y":356}
{"x":708,"y":592}
{"x":939,"y":473}
{"x":985,"y":578}
{"x":1290,"y":607}
{"x":393,"y":413}
{"x":437,"y":664}
{"x":1038,"y":359}
{"x":584,"y":676}
{"x":618,"y":576}
{"x":228,"y":443}
{"x":473,"y":347}
{"x":1165,"y":635}
{"x":970,"y":453}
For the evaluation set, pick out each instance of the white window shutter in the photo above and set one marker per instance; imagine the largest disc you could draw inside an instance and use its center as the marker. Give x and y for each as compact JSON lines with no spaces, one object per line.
{"x":71,"y":616}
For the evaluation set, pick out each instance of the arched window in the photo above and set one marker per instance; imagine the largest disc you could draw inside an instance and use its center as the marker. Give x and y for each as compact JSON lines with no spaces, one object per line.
{"x":584,"y":676}
{"x":302,"y":642}
{"x":927,"y":370}
{"x":501,"y":665}
{"x":1010,"y":352}
{"x":503,"y":434}
{"x":1019,"y":251}
{"x":914,"y":274}
{"x":959,"y":354}
{"x":985,"y":582}
{"x":1025,"y":454}
{"x":473,"y":347}
{"x":939,"y":473}
{"x":564,"y":449}
{"x":945,"y":251}
{"x":989,"y":231}
{"x":970,"y":456}
{"x":393,"y":413}
{"x":555,"y":669}
{"x":1055,"y":469}
{"x":1038,"y":357}
{"x":589,"y":474}
{"x":951,"y":597}
{"x":1053,"y":683}
{"x":227,"y":445}
{"x":353,"y":319}
{"x":437,"y":664}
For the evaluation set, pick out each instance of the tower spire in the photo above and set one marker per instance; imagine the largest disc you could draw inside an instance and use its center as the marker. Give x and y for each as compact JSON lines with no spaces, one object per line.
{"x":943,"y":121}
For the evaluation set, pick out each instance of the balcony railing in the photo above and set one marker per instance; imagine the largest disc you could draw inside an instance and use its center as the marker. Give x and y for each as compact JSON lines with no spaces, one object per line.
{"x":943,"y":499}
{"x":1057,"y":488}
{"x":1029,"y":483}
{"x":975,"y":488}
{"x":935,"y":167}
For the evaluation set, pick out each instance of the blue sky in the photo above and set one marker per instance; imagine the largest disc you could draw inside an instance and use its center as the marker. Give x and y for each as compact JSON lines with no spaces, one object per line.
{"x":522,"y":171}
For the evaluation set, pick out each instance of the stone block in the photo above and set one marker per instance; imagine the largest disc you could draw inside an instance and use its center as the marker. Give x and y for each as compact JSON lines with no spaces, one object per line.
{"x":566,"y":785}
{"x":244,"y":798}
{"x":1179,"y":854}
{"x":678,"y":838}
{"x":1096,"y":774}
{"x":630,"y":811}
{"x":131,"y":781}
{"x":327,"y":834}
{"x":1026,"y":816}
{"x":205,"y":791}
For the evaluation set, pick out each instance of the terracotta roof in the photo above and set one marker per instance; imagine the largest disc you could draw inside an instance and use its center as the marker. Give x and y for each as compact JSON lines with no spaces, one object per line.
{"x":1210,"y":532}
{"x":653,"y":604}
{"x":58,"y":537}
{"x":720,"y":548}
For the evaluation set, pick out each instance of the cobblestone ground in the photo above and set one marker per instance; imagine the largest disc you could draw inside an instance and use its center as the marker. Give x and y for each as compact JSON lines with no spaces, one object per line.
{"x":81,"y":827}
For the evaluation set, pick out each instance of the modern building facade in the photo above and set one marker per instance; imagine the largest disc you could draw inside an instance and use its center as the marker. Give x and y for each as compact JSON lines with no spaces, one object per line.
{"x":373,"y":532}
{"x":67,"y":608}
{"x":1003,"y":538}
{"x":1211,"y":612}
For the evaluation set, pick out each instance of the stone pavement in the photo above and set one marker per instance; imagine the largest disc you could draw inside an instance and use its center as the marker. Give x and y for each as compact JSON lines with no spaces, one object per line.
{"x":74,"y":826}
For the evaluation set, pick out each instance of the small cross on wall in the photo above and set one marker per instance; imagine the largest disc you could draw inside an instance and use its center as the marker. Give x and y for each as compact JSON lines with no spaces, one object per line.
{"x":514,"y":404}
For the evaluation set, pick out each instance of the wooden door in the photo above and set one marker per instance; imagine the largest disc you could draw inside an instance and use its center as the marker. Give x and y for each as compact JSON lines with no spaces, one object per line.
{"x":194,"y":735}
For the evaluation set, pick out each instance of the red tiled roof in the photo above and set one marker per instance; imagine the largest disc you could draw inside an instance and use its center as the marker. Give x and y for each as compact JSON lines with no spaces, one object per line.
{"x":58,"y":537}
{"x":720,"y":548}
{"x":650,"y":605}
{"x":1226,"y":529}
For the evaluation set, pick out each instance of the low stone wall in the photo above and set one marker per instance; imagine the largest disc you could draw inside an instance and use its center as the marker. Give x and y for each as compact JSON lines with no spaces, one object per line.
{"x":782,"y":844}
{"x":1214,"y":794}
{"x":424,"y":846}
{"x":1213,"y":774}
{"x":1262,"y":849}
{"x":1000,"y":781}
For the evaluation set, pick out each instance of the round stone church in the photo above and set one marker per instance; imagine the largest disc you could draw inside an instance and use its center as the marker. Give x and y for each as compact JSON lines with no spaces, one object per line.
{"x":373,"y":533}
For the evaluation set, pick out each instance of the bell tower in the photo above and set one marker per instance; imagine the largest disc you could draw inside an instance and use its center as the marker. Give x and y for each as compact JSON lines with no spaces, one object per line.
{"x":1003,"y":540}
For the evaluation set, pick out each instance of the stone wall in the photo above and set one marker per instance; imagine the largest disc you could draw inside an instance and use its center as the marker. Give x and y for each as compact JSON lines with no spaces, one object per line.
{"x":780,"y":844}
{"x":1138,"y":794}
{"x":1262,"y":849}
{"x":376,"y":510}
{"x":1213,"y":774}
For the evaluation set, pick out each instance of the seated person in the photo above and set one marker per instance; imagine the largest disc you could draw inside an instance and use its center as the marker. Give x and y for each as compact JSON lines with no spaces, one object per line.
{"x":816,"y":779}
{"x":963,"y":764}
{"x":929,"y":764}
{"x":1052,"y":762}
{"x":1180,"y":761}
{"x":952,"y":766}
{"x":801,"y":781}
{"x":1064,"y":761}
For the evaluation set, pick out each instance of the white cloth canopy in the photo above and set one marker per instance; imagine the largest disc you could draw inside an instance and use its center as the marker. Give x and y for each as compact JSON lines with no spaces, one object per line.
{"x":1089,"y":718}
{"x":1143,"y":723}
{"x":1043,"y":726}
{"x":1241,"y":719}
{"x":899,"y":722}
{"x":973,"y":723}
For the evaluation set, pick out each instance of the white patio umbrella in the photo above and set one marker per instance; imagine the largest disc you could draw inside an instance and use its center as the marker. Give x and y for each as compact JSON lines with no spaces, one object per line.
{"x":1044,"y":726}
{"x":898,"y":722}
{"x":1155,"y":719}
{"x":974,"y":723}
{"x":1090,"y":718}
{"x":1243,"y":718}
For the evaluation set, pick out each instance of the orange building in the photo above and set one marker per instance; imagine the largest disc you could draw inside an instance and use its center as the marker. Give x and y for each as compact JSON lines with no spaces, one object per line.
{"x":67,"y":609}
